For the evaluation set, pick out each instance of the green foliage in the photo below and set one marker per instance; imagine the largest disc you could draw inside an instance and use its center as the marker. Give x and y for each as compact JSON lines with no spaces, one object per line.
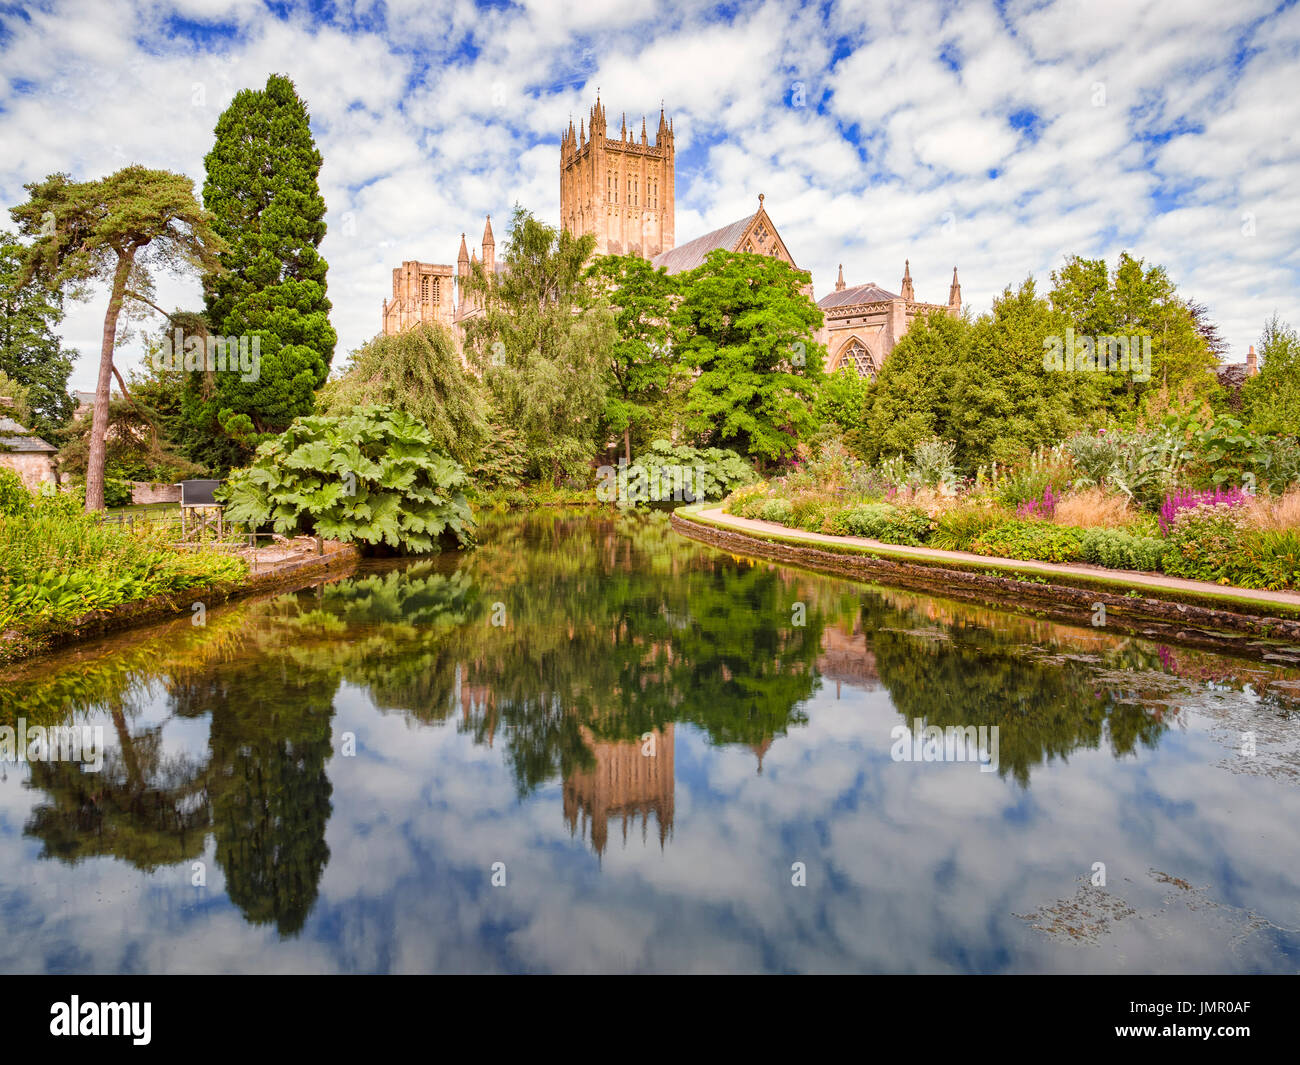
{"x":373,"y":476}
{"x":643,"y":371}
{"x":911,"y":399}
{"x":1031,"y":477}
{"x":957,"y":528}
{"x":1031,"y":540}
{"x":746,"y":326}
{"x":778,"y":510}
{"x":1150,"y":465}
{"x":14,"y":497}
{"x":1270,"y":559}
{"x":417,"y":371}
{"x":883,"y":521}
{"x":31,"y":353}
{"x":932,"y":463}
{"x":57,"y":564}
{"x":542,"y":344}
{"x":115,"y":230}
{"x":841,"y":402}
{"x":503,"y":461}
{"x":1119,"y":549}
{"x":1204,"y":542}
{"x":716,"y":471}
{"x":264,"y":196}
{"x":1138,"y":300}
{"x":1094,"y":456}
{"x":1271,"y":399}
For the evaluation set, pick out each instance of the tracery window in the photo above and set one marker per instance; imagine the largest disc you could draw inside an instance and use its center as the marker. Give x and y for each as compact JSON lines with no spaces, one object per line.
{"x":857,"y":357}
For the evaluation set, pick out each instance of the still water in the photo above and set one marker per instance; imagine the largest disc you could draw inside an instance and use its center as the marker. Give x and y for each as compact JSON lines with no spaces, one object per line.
{"x":592,"y":745}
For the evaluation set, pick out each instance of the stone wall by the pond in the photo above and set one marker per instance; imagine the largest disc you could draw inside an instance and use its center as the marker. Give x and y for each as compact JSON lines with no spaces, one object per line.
{"x":1240,"y":630}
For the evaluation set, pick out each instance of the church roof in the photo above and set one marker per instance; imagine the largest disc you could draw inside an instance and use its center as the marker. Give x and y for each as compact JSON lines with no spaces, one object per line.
{"x":868,"y":293}
{"x":22,"y":440}
{"x":690,"y":255}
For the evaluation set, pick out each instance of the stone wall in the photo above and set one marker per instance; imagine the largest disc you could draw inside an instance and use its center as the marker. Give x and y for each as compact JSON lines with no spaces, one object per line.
{"x":34,"y":467}
{"x":154,"y":492}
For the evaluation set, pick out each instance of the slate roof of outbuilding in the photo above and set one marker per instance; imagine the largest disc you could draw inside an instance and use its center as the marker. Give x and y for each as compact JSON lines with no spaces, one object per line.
{"x":13,"y":437}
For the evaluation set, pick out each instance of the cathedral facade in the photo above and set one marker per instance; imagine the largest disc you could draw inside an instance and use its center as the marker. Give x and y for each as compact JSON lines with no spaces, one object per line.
{"x":622,"y":190}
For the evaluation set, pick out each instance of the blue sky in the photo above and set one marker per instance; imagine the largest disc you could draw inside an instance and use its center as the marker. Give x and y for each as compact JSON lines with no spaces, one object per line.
{"x":998,"y":137}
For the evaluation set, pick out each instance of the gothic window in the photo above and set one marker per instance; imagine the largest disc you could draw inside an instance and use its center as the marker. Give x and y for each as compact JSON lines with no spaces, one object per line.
{"x":437,"y":287}
{"x":424,"y":289}
{"x":859,"y":359}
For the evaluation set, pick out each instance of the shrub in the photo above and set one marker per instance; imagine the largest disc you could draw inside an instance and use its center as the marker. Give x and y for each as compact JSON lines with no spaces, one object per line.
{"x":1032,"y":540}
{"x":714,"y":471}
{"x":884,"y":522}
{"x":14,"y":497}
{"x":741,"y":498}
{"x":932,"y":463}
{"x":1204,"y":541}
{"x":1094,"y":457}
{"x":809,"y":512}
{"x":1180,"y":501}
{"x":777,"y":510}
{"x":1119,"y":549}
{"x":372,"y":476}
{"x":1028,"y":481}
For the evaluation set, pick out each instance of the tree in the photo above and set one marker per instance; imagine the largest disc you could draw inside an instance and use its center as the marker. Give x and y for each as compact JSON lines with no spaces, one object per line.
{"x":746,"y":323}
{"x":1272,"y":397}
{"x":1137,"y":300}
{"x":641,"y":367}
{"x":31,"y":353}
{"x":1005,"y":401}
{"x":541,"y":339}
{"x":419,"y":372}
{"x":265,"y":200}
{"x":115,"y":230}
{"x":911,"y":399}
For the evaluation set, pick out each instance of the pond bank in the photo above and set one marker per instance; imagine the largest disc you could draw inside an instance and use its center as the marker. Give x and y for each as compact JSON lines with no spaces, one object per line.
{"x":285,"y":569}
{"x":1247,"y":620}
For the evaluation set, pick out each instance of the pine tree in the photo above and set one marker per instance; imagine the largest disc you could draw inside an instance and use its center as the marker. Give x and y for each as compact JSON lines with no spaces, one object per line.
{"x":263,"y":194}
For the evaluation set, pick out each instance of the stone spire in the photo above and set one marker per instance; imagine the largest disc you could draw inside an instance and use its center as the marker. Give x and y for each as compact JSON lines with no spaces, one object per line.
{"x":663,"y":133}
{"x":644,"y":139}
{"x":489,"y":247}
{"x":954,"y":292}
{"x":623,"y":135}
{"x":839,"y":283}
{"x":908,"y":293}
{"x":462,"y":260}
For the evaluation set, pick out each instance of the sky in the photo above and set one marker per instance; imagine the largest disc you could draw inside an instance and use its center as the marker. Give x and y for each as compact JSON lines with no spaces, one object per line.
{"x":996,"y":137}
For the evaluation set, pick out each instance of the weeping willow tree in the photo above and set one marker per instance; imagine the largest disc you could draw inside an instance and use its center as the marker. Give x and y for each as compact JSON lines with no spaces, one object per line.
{"x":420,"y":373}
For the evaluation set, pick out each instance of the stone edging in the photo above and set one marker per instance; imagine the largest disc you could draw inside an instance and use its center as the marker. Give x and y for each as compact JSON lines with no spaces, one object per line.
{"x":1144,"y":615}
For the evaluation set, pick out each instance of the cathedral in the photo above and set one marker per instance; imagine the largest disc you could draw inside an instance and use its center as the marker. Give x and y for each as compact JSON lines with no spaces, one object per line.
{"x":621,"y":190}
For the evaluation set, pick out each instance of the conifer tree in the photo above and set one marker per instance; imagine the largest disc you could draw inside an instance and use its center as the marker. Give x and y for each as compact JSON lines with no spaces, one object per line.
{"x":263,"y":194}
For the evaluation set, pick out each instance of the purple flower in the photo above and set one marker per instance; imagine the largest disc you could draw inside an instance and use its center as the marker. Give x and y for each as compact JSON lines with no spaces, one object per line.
{"x":1186,"y":500}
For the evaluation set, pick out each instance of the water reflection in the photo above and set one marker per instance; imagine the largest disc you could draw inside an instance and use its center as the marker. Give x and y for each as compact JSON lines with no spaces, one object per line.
{"x":571,"y":647}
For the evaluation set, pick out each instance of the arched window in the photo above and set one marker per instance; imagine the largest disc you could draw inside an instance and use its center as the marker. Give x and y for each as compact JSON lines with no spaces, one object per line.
{"x":858,"y":359}
{"x":424,"y":289}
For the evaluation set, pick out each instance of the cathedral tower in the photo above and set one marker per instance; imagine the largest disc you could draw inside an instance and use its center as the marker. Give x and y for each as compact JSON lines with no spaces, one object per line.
{"x":618,"y":188}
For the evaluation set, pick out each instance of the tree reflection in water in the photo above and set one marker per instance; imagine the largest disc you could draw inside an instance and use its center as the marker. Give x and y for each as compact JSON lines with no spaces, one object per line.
{"x":615,"y":631}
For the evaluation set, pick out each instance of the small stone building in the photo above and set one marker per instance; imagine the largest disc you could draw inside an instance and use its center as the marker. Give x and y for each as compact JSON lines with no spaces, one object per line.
{"x":25,"y":453}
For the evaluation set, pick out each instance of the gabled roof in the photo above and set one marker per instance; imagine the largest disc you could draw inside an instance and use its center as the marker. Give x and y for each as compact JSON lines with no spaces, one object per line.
{"x":13,"y":437}
{"x":690,"y":255}
{"x":868,"y":293}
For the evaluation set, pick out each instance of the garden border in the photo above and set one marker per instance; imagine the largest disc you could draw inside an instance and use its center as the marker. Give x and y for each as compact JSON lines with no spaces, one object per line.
{"x":1212,"y":618}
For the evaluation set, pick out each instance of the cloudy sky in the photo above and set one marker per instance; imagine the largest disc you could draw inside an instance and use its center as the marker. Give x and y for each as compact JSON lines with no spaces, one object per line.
{"x":998,"y":137}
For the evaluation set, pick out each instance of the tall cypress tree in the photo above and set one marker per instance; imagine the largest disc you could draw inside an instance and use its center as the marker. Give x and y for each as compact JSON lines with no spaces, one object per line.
{"x":263,"y":194}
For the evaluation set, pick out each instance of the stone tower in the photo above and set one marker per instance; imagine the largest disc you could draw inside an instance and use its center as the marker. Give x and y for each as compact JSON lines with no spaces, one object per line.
{"x":618,"y":188}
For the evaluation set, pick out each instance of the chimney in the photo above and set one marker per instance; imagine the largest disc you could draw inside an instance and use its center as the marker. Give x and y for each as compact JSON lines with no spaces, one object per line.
{"x":1252,"y":362}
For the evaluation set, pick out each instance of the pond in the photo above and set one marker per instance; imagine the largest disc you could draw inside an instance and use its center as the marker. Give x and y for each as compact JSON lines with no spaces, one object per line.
{"x":590,"y":744}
